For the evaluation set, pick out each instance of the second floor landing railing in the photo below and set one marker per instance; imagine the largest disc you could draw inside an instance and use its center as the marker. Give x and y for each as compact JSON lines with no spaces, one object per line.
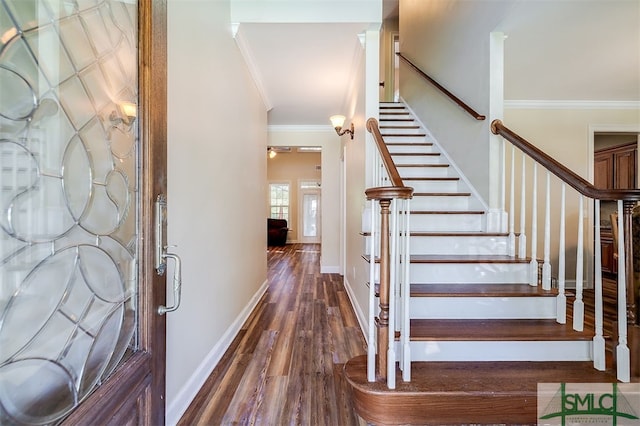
{"x":389,"y":251}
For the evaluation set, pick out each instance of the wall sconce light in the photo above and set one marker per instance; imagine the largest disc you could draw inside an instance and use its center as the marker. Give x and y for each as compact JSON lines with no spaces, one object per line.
{"x":272,"y":152}
{"x":338,"y":121}
{"x":126,"y":114}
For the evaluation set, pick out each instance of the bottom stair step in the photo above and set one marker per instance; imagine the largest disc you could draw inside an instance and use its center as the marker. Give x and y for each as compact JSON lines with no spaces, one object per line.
{"x":463,"y":392}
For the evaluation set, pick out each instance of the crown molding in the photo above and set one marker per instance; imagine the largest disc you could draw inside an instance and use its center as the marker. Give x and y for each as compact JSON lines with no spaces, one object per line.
{"x":300,"y":128}
{"x":553,"y":104}
{"x":243,"y":46}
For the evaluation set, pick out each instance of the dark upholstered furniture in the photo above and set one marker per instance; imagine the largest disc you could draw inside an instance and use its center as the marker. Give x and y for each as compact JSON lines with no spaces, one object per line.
{"x":276,"y":232}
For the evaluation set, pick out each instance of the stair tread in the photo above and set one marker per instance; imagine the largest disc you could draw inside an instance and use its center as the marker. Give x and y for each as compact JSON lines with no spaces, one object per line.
{"x":421,"y":165}
{"x":447,"y":212}
{"x":494,"y":330}
{"x":406,"y":135}
{"x":502,"y":392}
{"x":435,"y":178}
{"x":416,"y":154}
{"x":493,"y":377}
{"x":409,"y":143}
{"x":480,"y":290}
{"x":450,"y":234}
{"x":458,"y":234}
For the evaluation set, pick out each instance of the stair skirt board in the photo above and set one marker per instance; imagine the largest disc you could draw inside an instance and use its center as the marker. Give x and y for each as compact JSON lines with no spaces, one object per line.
{"x":500,"y":350}
{"x":483,"y":307}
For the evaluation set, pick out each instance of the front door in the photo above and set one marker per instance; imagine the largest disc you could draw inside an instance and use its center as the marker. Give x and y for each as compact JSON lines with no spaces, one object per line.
{"x":82,"y":161}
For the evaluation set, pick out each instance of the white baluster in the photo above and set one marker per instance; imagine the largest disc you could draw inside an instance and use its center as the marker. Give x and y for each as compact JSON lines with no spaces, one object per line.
{"x":623,"y":359}
{"x":393,"y":278}
{"x":561,"y":300}
{"x":546,"y":266}
{"x":578,"y":304}
{"x":598,"y":339}
{"x":503,"y":182}
{"x":512,"y":210}
{"x":371,"y":331}
{"x":522,"y":239}
{"x":533,"y":265}
{"x":406,"y":352}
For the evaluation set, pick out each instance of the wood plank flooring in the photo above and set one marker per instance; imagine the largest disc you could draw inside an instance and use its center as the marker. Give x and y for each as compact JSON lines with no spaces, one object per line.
{"x":286,"y":364}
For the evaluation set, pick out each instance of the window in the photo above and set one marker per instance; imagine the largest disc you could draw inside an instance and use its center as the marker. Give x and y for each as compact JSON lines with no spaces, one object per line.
{"x":279,"y":201}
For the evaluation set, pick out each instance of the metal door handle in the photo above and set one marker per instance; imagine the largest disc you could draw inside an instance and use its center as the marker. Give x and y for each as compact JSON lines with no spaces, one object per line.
{"x":177,"y":284}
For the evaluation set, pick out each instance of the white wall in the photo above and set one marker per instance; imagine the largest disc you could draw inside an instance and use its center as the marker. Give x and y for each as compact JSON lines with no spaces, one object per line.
{"x":217,"y":132}
{"x":565,"y":136}
{"x":450,"y":40}
{"x":326,"y":138}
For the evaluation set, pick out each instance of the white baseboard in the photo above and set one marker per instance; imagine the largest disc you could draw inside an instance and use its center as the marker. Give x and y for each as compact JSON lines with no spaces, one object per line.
{"x":362,"y":318}
{"x":185,"y":396}
{"x":329,"y":269}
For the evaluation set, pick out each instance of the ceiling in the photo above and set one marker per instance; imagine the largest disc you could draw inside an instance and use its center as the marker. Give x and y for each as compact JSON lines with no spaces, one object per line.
{"x":304,"y":70}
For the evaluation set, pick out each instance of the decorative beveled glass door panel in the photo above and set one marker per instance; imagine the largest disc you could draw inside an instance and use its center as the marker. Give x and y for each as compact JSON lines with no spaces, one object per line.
{"x":68,"y":201}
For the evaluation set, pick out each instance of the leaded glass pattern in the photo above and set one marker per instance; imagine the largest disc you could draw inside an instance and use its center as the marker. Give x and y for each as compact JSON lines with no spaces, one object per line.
{"x":68,"y":201}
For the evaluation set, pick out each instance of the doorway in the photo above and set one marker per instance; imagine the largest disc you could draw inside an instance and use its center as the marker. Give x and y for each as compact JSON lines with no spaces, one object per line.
{"x":310,"y":211}
{"x":79,"y":334}
{"x":614,"y":155}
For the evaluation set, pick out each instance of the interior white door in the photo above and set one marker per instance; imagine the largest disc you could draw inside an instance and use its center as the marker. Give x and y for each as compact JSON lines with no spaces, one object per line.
{"x":310,"y":216}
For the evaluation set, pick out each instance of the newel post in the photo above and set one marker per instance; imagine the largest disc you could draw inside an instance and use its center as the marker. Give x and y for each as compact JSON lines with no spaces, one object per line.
{"x":628,"y":267}
{"x":384,"y":195}
{"x":385,"y":280}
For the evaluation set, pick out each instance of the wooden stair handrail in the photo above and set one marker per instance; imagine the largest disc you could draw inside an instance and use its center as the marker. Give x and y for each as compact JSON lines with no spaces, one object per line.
{"x":561,"y":171}
{"x":451,"y":96}
{"x":629,"y":198}
{"x":392,"y":170}
{"x":384,"y":195}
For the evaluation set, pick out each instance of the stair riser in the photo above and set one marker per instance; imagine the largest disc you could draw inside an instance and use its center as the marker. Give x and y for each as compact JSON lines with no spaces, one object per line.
{"x":487,"y":273}
{"x":468,"y":273}
{"x":447,"y":222}
{"x":417,"y":159}
{"x":406,"y":139}
{"x":399,"y":121}
{"x":459,"y":245}
{"x":420,"y":149}
{"x":500,"y":351}
{"x":401,"y":131}
{"x":440,"y":203}
{"x":433,"y":185}
{"x":451,"y":244}
{"x":427,"y":172}
{"x":483,"y":307}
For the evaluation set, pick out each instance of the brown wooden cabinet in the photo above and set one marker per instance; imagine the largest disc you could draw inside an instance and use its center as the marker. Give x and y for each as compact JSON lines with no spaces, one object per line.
{"x":609,"y":264}
{"x":615,"y":168}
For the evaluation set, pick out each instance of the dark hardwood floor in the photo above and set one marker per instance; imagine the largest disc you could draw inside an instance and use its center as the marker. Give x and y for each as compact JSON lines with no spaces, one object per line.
{"x":286,"y":364}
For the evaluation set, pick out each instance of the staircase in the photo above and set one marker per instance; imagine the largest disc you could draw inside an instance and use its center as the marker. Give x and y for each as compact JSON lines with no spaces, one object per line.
{"x":481,"y":336}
